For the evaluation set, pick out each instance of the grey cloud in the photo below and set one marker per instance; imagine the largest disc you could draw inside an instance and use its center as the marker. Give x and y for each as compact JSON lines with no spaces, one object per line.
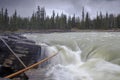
{"x":26,"y":7}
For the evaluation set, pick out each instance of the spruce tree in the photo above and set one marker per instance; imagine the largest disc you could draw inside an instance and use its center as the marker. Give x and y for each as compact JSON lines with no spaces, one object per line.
{"x":87,"y":21}
{"x":6,"y":20}
{"x":13,"y":22}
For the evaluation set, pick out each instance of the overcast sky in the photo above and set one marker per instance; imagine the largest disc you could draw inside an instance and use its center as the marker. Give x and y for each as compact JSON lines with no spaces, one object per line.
{"x":69,"y":7}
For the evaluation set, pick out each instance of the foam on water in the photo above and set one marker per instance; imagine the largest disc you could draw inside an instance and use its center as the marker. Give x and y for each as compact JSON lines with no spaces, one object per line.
{"x":82,"y":56}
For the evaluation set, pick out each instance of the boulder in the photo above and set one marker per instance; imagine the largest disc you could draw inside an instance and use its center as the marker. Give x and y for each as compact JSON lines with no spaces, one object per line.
{"x":25,"y":49}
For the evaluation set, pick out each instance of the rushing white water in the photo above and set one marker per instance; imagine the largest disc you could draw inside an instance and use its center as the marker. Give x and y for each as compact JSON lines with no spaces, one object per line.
{"x":82,"y":56}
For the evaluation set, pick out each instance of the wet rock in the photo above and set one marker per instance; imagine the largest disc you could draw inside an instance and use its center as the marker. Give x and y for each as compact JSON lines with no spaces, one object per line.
{"x":25,"y":49}
{"x":4,"y":79}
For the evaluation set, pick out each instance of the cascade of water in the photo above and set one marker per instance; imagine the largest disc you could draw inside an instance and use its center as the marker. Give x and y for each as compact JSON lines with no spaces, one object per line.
{"x":99,"y":50}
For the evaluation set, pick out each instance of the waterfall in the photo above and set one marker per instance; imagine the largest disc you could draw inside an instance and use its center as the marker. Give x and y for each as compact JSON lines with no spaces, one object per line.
{"x":81,"y":56}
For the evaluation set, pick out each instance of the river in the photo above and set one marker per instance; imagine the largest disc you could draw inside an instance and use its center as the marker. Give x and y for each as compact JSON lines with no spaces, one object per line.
{"x":81,"y":56}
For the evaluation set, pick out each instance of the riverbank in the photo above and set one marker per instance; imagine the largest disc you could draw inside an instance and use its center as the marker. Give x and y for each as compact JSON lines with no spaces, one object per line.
{"x":57,"y":30}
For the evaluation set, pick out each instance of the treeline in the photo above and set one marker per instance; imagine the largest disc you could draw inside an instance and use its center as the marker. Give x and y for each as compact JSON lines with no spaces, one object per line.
{"x":39,"y":21}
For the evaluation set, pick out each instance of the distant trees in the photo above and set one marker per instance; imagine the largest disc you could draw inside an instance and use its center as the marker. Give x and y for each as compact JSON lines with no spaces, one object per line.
{"x":39,"y":21}
{"x":4,"y":19}
{"x":118,"y":21}
{"x":13,"y":22}
{"x":87,"y":22}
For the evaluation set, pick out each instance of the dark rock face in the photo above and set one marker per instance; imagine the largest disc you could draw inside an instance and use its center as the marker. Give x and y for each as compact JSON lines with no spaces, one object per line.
{"x":25,"y":49}
{"x":4,"y":79}
{"x":4,"y":71}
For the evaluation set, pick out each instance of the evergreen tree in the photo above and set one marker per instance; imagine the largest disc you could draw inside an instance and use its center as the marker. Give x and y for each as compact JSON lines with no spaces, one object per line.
{"x":42,"y":17}
{"x":33,"y":22}
{"x":82,"y":26}
{"x":13,"y":22}
{"x":106,"y":21}
{"x":6,"y":20}
{"x":53,"y":20}
{"x":83,"y":14}
{"x":38,"y":23}
{"x":87,"y":22}
{"x":57,"y":22}
{"x":118,"y":21}
{"x":47,"y":23}
{"x":77,"y":23}
{"x":73,"y":22}
{"x":101,"y":21}
{"x":69,"y":23}
{"x":0,"y":20}
{"x":63,"y":21}
{"x":98,"y":21}
{"x":111,"y":21}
